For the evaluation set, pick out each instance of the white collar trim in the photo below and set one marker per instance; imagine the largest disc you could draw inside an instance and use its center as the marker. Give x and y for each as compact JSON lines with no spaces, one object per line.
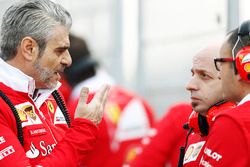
{"x":18,"y":81}
{"x":245,"y":99}
{"x":15,"y":78}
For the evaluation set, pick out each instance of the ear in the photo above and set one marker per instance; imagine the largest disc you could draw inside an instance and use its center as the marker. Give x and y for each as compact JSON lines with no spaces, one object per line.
{"x":29,"y":48}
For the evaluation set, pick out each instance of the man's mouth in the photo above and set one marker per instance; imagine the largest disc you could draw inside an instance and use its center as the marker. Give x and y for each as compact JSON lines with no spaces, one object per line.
{"x":194,"y":98}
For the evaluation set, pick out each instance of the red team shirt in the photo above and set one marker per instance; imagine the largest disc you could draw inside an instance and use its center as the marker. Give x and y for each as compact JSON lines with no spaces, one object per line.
{"x":164,"y":147}
{"x":194,"y":150}
{"x":228,"y":141}
{"x":47,"y":139}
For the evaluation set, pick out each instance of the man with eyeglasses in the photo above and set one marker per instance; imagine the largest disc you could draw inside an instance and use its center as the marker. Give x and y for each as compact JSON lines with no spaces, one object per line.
{"x":228,"y":143}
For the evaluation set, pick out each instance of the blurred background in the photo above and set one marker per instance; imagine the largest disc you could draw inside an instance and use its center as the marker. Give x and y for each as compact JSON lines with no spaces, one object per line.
{"x":148,"y":45}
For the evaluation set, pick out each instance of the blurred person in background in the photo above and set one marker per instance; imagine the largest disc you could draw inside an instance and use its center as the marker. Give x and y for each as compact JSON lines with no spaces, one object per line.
{"x":163,"y":150}
{"x":65,"y":89}
{"x":35,"y":129}
{"x":127,"y":117}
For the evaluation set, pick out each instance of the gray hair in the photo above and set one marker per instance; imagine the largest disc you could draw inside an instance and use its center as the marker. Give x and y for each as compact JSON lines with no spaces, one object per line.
{"x":34,"y":18}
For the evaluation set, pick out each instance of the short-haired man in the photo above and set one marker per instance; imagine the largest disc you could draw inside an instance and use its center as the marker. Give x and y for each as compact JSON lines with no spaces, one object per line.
{"x":164,"y":146}
{"x":205,"y":102}
{"x":33,"y":119}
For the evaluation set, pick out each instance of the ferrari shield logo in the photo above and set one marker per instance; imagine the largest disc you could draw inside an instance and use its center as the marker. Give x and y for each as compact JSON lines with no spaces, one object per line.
{"x":51,"y":107}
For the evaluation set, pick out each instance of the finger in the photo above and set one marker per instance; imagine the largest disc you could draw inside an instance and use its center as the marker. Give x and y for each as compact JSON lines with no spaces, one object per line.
{"x":105,"y":98}
{"x":84,"y":95}
{"x":101,"y":93}
{"x":81,"y":106}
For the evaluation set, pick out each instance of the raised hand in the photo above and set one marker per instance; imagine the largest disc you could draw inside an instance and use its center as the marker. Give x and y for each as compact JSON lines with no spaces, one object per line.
{"x":94,"y":110}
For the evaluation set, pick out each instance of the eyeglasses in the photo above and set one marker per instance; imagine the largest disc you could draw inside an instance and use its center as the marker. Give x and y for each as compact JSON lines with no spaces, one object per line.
{"x":218,"y":61}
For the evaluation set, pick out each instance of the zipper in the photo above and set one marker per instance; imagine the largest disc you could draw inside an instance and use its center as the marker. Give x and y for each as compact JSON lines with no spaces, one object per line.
{"x":44,"y":120}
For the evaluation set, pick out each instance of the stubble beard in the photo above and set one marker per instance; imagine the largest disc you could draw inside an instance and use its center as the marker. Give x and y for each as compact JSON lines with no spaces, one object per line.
{"x":45,"y":75}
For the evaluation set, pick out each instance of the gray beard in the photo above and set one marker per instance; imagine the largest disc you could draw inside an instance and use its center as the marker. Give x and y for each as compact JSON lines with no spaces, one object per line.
{"x":44,"y":75}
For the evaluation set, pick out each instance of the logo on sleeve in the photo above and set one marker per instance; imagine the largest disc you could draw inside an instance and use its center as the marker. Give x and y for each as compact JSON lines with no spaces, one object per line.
{"x":2,"y":140}
{"x":6,"y":151}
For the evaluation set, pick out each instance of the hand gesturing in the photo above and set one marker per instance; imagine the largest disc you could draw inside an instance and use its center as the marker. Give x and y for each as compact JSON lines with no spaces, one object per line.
{"x":94,"y":110}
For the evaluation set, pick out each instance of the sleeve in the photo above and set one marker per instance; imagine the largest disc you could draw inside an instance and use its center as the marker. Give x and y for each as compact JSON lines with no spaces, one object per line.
{"x":162,"y":147}
{"x":226,"y":144}
{"x":11,"y":152}
{"x":78,"y":141}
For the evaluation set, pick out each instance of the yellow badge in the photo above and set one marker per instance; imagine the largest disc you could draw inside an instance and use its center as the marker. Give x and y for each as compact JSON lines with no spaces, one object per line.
{"x":22,"y":115}
{"x":29,"y":110}
{"x":247,"y":67}
{"x":51,"y":107}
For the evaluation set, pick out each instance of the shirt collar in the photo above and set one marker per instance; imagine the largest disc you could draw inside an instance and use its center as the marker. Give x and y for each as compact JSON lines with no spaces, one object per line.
{"x":245,"y":99}
{"x":18,"y":81}
{"x":15,"y":78}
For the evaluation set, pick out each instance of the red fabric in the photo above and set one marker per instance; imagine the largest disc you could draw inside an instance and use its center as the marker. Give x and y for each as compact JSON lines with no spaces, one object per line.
{"x":228,"y":141}
{"x":47,"y":140}
{"x":109,"y":150}
{"x":65,"y":89}
{"x":165,"y":145}
{"x":194,"y":150}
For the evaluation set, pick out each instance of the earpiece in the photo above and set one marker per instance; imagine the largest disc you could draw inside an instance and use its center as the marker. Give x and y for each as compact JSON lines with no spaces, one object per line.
{"x":242,"y":57}
{"x":242,"y":62}
{"x":200,"y":124}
